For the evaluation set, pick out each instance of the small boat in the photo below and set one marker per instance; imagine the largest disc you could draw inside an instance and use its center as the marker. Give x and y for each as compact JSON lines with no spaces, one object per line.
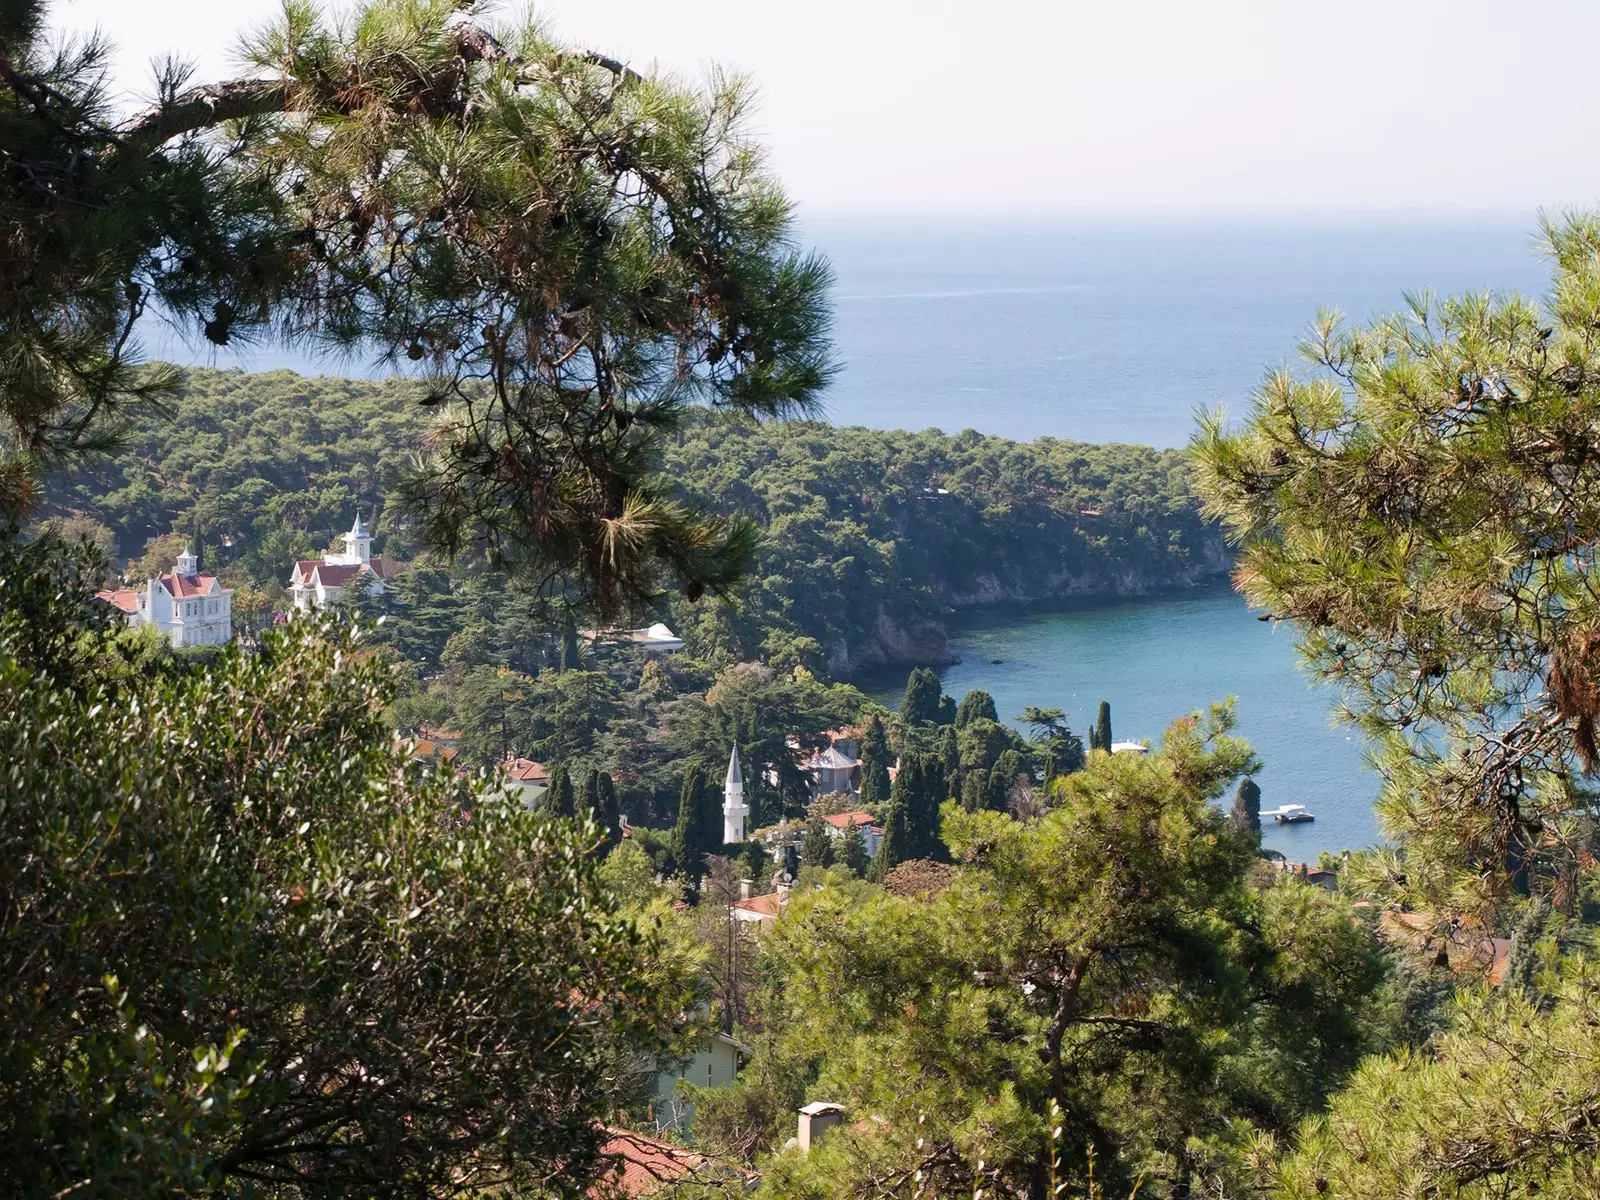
{"x":1289,"y":814}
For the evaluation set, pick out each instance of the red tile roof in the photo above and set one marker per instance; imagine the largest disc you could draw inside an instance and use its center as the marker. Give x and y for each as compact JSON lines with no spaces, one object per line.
{"x":770,"y":905}
{"x":640,"y":1166}
{"x":844,"y":820}
{"x":185,"y":587}
{"x":125,"y":599}
{"x":525,"y":770}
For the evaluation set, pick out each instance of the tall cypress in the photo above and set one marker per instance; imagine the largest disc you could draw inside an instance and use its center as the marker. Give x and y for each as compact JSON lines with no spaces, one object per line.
{"x":896,"y":836}
{"x":1002,"y":779}
{"x":950,"y":764}
{"x":609,"y":811}
{"x":571,"y":656}
{"x":1100,"y":736}
{"x":560,"y":801}
{"x":697,"y":833}
{"x":874,"y":763}
{"x":921,"y":703}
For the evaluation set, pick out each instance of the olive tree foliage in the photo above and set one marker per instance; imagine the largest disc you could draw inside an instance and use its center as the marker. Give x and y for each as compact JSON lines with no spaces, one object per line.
{"x":1424,"y":506}
{"x":249,"y":947}
{"x":564,"y":253}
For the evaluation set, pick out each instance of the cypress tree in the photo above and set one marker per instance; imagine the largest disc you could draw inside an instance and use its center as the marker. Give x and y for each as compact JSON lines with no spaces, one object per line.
{"x":1100,"y":736}
{"x":896,"y":835}
{"x":997,"y":795}
{"x":697,"y":833}
{"x":921,"y":703}
{"x":560,"y":801}
{"x":874,"y":763}
{"x":608,"y":812}
{"x":976,"y":704}
{"x":921,"y":800}
{"x":571,"y":658}
{"x":974,"y":789}
{"x":950,"y":764}
{"x":1246,"y":814}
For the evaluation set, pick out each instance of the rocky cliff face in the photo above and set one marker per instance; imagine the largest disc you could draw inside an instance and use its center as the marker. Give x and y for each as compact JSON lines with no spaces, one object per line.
{"x":926,"y":643}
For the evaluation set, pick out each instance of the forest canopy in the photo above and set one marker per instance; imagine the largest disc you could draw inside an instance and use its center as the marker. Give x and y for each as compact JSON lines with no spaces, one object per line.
{"x":871,"y":537}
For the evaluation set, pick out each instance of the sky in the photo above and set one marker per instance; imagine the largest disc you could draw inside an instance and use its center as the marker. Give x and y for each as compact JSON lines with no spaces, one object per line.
{"x":1061,"y":106}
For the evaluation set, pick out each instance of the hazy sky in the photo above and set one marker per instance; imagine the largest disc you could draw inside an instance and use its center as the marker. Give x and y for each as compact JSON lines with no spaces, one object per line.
{"x":1011,"y":105}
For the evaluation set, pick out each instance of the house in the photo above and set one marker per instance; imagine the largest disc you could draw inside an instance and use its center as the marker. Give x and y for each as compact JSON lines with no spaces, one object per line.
{"x":833,"y":770}
{"x":317,"y":583}
{"x":871,"y":833}
{"x":713,"y":1065}
{"x":761,"y":911}
{"x":637,"y":1165}
{"x":189,"y":608}
{"x":526,"y":778}
{"x":657,"y":639}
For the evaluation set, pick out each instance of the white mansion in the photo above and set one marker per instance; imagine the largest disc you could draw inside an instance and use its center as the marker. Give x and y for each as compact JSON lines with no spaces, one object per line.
{"x":189,"y":608}
{"x":317,"y":583}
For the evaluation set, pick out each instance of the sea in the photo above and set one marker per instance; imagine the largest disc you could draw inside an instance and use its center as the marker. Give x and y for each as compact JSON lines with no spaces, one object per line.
{"x":1120,"y":329}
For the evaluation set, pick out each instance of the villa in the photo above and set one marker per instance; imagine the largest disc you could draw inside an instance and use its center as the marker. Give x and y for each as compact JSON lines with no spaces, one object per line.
{"x":317,"y":583}
{"x":189,"y":608}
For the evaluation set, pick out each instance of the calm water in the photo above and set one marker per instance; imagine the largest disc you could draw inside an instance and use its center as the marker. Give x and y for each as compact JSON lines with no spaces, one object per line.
{"x":1104,"y":331}
{"x":1158,"y":659}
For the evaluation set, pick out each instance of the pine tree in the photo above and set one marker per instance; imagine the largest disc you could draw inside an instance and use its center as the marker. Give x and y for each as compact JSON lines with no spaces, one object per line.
{"x":976,"y":704}
{"x":816,"y":846}
{"x":1100,"y":736}
{"x":875,"y":784}
{"x":853,"y":850}
{"x":1245,"y":816}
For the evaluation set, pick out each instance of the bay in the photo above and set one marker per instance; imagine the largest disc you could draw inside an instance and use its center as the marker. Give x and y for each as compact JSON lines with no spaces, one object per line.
{"x":1109,"y":329}
{"x":1159,"y":658}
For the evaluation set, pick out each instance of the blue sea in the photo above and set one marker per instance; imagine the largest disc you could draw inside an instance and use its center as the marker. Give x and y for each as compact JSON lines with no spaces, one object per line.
{"x":1120,"y":330}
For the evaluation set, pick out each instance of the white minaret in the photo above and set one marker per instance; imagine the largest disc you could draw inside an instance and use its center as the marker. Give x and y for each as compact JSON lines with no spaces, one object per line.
{"x":357,"y":544}
{"x":733,"y":809}
{"x":188,"y":564}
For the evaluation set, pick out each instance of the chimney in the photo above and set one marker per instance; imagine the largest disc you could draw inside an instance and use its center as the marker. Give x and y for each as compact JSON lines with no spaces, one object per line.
{"x":744,"y":889}
{"x":816,"y":1119}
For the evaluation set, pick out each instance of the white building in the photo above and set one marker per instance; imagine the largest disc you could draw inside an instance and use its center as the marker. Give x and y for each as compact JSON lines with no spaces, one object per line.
{"x":316,"y":583}
{"x":189,"y":608}
{"x":734,"y":810}
{"x":656,"y":639}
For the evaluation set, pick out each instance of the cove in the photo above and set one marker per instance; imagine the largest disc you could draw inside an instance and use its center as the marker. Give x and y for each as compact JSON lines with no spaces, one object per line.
{"x":1156,"y":659}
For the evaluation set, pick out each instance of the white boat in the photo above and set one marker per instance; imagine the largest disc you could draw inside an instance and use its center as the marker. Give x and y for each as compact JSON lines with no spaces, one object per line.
{"x":1289,"y":814}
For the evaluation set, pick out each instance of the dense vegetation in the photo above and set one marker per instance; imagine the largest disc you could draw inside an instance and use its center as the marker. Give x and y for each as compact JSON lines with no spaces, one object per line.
{"x":250,"y":945}
{"x":870,"y":537}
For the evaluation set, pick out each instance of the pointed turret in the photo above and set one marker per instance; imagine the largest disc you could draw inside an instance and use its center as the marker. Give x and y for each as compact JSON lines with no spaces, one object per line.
{"x":188,"y":564}
{"x":357,"y":544}
{"x":733,"y":806}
